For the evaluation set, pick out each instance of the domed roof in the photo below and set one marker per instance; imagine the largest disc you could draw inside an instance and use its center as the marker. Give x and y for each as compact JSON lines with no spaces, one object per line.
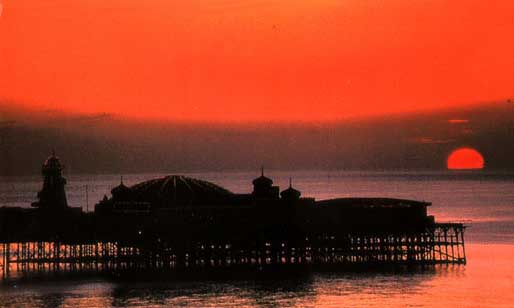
{"x":177,"y":190}
{"x":52,"y":162}
{"x":262,"y":180}
{"x":120,"y":189}
{"x":290,"y":193}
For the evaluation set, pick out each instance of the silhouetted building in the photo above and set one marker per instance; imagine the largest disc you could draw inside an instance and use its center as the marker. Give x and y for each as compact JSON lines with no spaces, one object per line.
{"x":52,"y":196}
{"x":191,"y":204}
{"x":165,"y":194}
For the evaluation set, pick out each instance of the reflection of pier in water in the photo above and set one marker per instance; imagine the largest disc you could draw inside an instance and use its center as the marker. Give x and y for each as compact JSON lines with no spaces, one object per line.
{"x":283,"y":290}
{"x":184,"y":224}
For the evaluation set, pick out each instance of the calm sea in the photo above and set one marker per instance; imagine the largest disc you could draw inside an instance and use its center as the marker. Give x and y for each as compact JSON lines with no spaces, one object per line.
{"x":484,"y":201}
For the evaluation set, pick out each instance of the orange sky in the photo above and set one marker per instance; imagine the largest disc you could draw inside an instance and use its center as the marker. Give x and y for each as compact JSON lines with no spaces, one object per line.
{"x":254,"y":60}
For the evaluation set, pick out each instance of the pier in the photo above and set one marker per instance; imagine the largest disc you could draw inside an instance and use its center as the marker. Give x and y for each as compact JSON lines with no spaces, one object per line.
{"x":176,"y":223}
{"x":441,"y":244}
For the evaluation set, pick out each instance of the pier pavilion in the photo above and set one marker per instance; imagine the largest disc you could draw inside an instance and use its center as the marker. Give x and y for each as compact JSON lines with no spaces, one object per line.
{"x":181,"y":223}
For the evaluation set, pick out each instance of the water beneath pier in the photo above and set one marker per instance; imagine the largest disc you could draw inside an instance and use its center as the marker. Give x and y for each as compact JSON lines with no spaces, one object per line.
{"x":486,"y":281}
{"x":484,"y":201}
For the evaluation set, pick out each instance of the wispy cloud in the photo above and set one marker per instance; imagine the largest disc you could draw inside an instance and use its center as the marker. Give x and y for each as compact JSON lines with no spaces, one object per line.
{"x":93,"y":117}
{"x":458,"y":121}
{"x":428,"y":140}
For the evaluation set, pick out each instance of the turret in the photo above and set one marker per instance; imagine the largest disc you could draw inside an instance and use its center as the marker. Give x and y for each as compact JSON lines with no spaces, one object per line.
{"x":290,"y":193}
{"x":121,"y":192}
{"x":52,"y":195}
{"x":263,"y":187}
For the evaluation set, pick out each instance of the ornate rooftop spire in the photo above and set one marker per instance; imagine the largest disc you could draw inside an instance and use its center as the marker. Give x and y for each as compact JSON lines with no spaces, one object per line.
{"x":290,"y":193}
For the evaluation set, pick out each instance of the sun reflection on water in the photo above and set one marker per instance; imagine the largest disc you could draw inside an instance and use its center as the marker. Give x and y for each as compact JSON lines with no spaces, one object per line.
{"x":441,"y":286}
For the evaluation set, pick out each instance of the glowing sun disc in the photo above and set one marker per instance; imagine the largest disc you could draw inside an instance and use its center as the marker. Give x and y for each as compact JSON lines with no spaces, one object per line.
{"x":465,"y":159}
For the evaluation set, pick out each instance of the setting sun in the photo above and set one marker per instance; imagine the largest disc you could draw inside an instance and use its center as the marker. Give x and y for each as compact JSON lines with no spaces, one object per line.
{"x":465,"y":158}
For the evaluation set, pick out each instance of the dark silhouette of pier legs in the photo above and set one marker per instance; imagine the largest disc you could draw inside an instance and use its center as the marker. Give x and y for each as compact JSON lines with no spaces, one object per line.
{"x":440,"y":244}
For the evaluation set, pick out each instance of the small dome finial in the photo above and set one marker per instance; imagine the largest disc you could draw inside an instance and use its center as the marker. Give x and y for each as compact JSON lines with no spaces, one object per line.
{"x":262,"y":170}
{"x":121,"y":179}
{"x":290,"y":182}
